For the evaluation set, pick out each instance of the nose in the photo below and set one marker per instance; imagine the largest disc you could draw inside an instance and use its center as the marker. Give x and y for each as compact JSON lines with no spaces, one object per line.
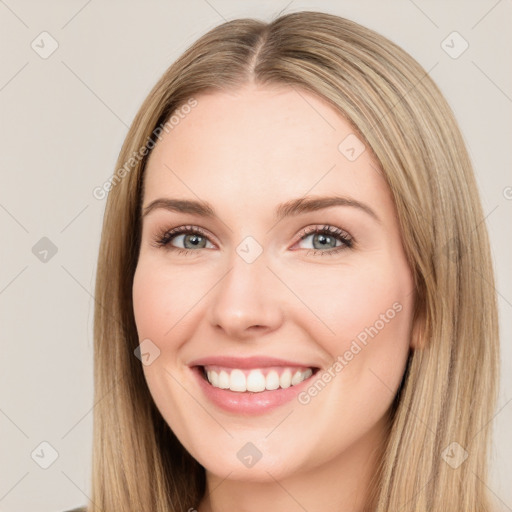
{"x":247,"y":301}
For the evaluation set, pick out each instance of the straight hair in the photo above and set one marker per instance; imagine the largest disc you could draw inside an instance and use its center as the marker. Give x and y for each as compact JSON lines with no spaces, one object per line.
{"x":449,"y":387}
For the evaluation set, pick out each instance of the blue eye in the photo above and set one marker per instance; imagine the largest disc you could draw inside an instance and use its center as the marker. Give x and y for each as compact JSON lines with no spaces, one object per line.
{"x":191,"y":236}
{"x":326,"y":239}
{"x":329,"y":237}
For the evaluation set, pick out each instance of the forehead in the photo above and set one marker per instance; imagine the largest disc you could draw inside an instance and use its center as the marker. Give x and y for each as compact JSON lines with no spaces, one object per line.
{"x":260,"y":142}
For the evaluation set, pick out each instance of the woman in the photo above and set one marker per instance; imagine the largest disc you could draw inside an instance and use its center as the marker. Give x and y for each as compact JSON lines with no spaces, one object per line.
{"x":295,"y":307}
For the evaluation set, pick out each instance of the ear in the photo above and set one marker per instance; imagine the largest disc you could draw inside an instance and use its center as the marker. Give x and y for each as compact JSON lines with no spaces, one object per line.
{"x":419,"y":328}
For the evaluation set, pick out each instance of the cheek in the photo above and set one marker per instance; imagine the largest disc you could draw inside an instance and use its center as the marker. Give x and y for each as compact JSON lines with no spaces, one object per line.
{"x":368,"y":310}
{"x":150,"y":298}
{"x":160,"y":308}
{"x":349,"y":297}
{"x":162,"y":298}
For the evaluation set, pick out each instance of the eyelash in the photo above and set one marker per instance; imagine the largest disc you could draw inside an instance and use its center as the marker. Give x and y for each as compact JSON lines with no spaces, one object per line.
{"x":164,"y":237}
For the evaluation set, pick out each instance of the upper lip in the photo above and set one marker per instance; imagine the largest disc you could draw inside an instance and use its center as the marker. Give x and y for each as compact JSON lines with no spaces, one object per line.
{"x":246,"y":362}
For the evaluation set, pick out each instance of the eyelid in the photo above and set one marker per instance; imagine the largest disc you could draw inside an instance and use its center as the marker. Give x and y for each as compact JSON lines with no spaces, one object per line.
{"x":328,"y":228}
{"x":169,"y":234}
{"x":346,"y":239}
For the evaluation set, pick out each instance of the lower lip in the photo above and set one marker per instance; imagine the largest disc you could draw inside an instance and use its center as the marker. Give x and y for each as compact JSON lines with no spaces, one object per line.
{"x":248,"y":402}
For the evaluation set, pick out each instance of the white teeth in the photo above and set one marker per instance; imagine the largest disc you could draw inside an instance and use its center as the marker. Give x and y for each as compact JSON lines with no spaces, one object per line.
{"x":214,"y":378}
{"x":272,"y":381}
{"x":286,"y":379}
{"x":237,"y":381}
{"x":256,"y":381}
{"x":223,"y":380}
{"x":297,"y":377}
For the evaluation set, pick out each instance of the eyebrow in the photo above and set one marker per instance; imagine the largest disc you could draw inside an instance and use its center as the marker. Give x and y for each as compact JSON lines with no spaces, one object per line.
{"x":287,"y":209}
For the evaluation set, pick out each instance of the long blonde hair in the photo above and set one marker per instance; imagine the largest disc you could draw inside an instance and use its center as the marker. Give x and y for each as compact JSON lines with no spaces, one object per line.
{"x":449,"y":388}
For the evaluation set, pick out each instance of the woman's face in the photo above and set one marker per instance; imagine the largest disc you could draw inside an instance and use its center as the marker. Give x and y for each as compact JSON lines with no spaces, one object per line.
{"x":294,"y":284}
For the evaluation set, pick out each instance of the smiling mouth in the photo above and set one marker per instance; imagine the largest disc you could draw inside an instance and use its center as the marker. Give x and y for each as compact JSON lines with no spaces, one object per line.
{"x":255,"y":380}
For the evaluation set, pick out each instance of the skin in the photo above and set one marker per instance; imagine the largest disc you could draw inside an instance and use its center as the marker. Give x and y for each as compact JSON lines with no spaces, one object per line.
{"x":245,"y":152}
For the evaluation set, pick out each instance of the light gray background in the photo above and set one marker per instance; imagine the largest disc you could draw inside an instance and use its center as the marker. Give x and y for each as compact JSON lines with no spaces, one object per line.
{"x":63,"y":120}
